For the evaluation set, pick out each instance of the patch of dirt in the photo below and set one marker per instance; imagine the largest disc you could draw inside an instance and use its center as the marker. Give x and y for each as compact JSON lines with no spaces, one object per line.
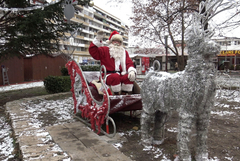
{"x":133,"y":148}
{"x":223,"y":136}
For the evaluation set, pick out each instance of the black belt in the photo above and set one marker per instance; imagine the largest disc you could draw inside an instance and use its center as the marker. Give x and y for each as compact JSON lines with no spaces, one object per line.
{"x":113,"y":71}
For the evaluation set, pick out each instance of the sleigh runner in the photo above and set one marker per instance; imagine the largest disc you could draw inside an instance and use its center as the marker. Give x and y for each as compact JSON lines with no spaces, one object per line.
{"x":95,"y":101}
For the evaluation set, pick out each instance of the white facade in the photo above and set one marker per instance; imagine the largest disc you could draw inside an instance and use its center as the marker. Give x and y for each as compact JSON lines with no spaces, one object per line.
{"x":228,"y":43}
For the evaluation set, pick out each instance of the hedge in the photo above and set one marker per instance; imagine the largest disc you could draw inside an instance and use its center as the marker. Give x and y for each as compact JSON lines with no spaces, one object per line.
{"x":64,"y":71}
{"x":90,"y":67}
{"x":57,"y":84}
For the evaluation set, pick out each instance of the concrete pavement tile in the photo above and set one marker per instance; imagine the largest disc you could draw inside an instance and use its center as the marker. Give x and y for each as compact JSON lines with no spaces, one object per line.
{"x":23,"y":117}
{"x":20,"y":124}
{"x":116,"y":139}
{"x":90,"y":138}
{"x":29,"y":140}
{"x":12,"y":104}
{"x":44,"y":156}
{"x":77,"y":150}
{"x":76,"y":125}
{"x":52,"y":157}
{"x":34,"y":149}
{"x":29,"y":156}
{"x":18,"y":113}
{"x":108,"y":152}
{"x":56,"y":128}
{"x":25,"y":131}
{"x":70,"y":144}
{"x":60,"y":133}
{"x":86,"y":155}
{"x":89,"y":142}
{"x":87,"y":137}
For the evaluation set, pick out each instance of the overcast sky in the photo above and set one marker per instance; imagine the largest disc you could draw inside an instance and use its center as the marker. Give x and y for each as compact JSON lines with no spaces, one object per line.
{"x":122,"y":11}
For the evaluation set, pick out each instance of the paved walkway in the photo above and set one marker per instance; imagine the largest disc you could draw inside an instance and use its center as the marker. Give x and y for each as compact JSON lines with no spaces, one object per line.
{"x":69,"y":141}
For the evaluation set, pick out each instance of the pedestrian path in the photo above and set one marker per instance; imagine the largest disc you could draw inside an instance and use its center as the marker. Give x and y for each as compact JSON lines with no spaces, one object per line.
{"x":82,"y":144}
{"x":70,"y":141}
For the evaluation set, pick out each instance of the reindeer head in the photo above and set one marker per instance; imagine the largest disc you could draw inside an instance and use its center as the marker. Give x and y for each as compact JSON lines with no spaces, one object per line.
{"x":200,"y":45}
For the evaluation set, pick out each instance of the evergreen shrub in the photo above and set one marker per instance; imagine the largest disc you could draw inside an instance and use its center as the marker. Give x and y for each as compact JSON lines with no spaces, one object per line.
{"x":57,"y":84}
{"x":90,"y":67}
{"x":238,"y":67}
{"x":64,"y":71}
{"x":231,"y":67}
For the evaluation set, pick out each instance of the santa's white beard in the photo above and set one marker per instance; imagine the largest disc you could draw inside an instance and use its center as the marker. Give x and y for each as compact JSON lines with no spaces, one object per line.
{"x":118,"y":53}
{"x":115,"y":51}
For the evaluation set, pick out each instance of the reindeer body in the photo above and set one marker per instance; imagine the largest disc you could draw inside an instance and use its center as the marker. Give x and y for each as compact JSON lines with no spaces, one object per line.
{"x":190,"y":92}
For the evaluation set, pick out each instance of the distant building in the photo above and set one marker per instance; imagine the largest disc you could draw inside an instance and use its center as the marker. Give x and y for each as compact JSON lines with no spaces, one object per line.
{"x":229,"y":57}
{"x":93,"y":19}
{"x":34,"y":68}
{"x":144,"y":57}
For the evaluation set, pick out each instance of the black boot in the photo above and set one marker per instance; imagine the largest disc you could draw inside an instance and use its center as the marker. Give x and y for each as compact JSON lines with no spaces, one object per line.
{"x":124,"y":93}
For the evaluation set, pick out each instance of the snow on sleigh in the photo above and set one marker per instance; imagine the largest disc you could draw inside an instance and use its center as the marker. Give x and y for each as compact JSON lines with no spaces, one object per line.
{"x":94,"y":100}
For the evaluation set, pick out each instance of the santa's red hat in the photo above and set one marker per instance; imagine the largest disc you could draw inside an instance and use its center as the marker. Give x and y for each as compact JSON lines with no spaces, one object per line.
{"x":115,"y":36}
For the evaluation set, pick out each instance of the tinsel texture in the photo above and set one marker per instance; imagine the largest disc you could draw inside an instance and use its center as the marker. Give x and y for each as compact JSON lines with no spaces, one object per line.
{"x":190,"y":92}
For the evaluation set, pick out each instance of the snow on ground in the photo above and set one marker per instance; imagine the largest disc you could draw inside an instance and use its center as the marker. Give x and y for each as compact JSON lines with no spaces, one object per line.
{"x":6,"y":146}
{"x":60,"y":114}
{"x":64,"y":115}
{"x":21,"y":86}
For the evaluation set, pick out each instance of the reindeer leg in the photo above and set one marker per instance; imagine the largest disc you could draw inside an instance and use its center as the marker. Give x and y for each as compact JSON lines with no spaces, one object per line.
{"x":202,"y":130}
{"x":159,"y":127}
{"x":145,"y":128}
{"x":184,"y":130}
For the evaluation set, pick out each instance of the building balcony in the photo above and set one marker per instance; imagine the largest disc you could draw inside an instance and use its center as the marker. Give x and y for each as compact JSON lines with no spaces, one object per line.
{"x":96,"y":27}
{"x":76,"y":20}
{"x":80,"y":14}
{"x":99,"y":15}
{"x":79,"y":6}
{"x":105,"y":24}
{"x":81,"y":53}
{"x":113,"y":22}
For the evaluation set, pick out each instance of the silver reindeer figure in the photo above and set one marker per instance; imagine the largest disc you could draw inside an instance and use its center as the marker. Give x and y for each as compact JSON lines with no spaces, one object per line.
{"x":190,"y":92}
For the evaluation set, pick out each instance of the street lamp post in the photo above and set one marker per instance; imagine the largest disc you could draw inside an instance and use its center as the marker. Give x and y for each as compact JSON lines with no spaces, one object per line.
{"x":166,"y":47}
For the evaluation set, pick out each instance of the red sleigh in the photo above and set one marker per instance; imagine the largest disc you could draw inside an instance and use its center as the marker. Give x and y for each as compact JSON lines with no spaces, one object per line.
{"x":96,"y":105}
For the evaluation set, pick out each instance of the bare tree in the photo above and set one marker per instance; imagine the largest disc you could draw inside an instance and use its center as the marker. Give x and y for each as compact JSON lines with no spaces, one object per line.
{"x":154,"y":19}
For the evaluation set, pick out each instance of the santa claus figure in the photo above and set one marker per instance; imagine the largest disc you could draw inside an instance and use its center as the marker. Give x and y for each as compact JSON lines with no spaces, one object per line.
{"x":120,"y":69}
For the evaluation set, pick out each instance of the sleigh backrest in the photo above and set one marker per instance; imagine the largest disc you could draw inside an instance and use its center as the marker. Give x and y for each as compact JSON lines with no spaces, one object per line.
{"x":91,"y":75}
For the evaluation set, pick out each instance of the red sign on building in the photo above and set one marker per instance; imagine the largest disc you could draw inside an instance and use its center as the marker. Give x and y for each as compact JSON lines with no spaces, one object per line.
{"x":145,"y":64}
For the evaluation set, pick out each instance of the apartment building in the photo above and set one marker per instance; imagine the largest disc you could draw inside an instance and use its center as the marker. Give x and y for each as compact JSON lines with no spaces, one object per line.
{"x":93,"y":19}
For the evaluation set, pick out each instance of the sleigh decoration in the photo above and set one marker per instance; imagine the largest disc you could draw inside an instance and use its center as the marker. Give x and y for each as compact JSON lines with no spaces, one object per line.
{"x":95,"y":103}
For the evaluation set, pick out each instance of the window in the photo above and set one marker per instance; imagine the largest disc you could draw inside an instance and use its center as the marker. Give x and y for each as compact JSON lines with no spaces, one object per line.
{"x":83,"y":49}
{"x":137,"y":61}
{"x":228,"y":43}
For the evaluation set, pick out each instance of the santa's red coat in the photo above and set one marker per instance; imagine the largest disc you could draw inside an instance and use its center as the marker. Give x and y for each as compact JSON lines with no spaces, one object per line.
{"x":102,"y":54}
